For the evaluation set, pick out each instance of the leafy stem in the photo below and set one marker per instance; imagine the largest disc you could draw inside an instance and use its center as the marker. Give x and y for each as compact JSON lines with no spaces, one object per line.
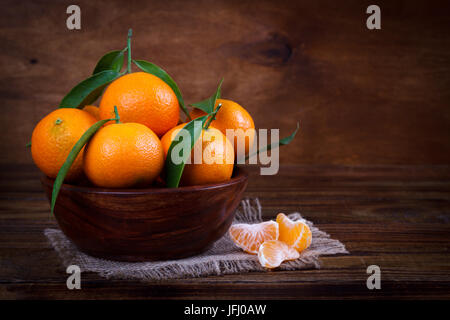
{"x":88,"y":90}
{"x":116,"y":112}
{"x":130,"y":33}
{"x":175,"y":170}
{"x":282,"y":142}
{"x":212,"y":116}
{"x":73,"y":155}
{"x":208,"y":105}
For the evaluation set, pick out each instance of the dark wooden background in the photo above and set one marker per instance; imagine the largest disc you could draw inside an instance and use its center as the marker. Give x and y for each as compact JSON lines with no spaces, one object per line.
{"x":362,"y":97}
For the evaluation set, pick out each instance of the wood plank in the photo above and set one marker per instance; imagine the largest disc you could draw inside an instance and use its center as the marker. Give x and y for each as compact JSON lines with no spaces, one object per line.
{"x":395,"y":217}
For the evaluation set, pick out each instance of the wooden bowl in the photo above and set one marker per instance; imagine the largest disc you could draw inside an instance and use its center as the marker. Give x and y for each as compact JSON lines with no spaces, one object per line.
{"x":147,"y":224}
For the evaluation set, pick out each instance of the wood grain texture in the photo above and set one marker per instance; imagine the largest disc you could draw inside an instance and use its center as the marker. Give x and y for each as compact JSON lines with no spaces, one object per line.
{"x":396,"y":217}
{"x":362,"y":97}
{"x":149,"y":223}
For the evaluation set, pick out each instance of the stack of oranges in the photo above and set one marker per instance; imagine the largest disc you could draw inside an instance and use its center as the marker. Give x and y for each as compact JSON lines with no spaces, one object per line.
{"x":132,"y":152}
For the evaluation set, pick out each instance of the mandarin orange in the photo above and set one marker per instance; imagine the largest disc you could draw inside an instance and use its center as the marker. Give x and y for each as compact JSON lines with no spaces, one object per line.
{"x":217,"y":157}
{"x":123,"y":155}
{"x":142,"y":98}
{"x":232,"y":116}
{"x":54,"y":137}
{"x":93,"y":111}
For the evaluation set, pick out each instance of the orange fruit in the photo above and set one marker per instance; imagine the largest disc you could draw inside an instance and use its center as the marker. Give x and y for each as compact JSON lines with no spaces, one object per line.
{"x":273,"y":252}
{"x":123,"y":155}
{"x":93,"y":111}
{"x":142,"y":98}
{"x":232,"y":116}
{"x":167,"y":138}
{"x":294,"y":233}
{"x":217,"y":157}
{"x":54,"y":137}
{"x":249,"y":237}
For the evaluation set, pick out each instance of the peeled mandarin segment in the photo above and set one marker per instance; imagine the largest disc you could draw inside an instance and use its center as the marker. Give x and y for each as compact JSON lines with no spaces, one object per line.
{"x":249,"y":237}
{"x":294,"y":233}
{"x":273,"y":252}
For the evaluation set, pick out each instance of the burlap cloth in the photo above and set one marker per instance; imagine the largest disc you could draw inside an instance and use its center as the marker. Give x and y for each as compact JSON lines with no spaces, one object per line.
{"x":223,"y":258}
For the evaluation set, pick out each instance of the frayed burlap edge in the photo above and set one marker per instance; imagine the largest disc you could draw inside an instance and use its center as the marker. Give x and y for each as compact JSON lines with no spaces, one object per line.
{"x":223,"y":258}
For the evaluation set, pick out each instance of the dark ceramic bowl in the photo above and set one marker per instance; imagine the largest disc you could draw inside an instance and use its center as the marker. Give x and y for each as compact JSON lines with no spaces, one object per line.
{"x":147,"y":224}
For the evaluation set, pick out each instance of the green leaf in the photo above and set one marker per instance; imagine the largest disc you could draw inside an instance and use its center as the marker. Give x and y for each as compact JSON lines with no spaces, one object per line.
{"x":208,"y":105}
{"x":87,"y":91}
{"x":174,"y":171}
{"x":28,"y":145}
{"x":281,"y":142}
{"x":72,"y":156}
{"x":212,"y":116}
{"x":111,"y":61}
{"x":164,"y":76}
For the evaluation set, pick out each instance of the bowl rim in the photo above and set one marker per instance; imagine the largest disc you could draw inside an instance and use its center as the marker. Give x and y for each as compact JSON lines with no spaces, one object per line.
{"x":239,"y":175}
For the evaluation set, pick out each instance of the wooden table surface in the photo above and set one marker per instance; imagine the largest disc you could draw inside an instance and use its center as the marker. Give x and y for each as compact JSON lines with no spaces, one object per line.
{"x":396,"y":217}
